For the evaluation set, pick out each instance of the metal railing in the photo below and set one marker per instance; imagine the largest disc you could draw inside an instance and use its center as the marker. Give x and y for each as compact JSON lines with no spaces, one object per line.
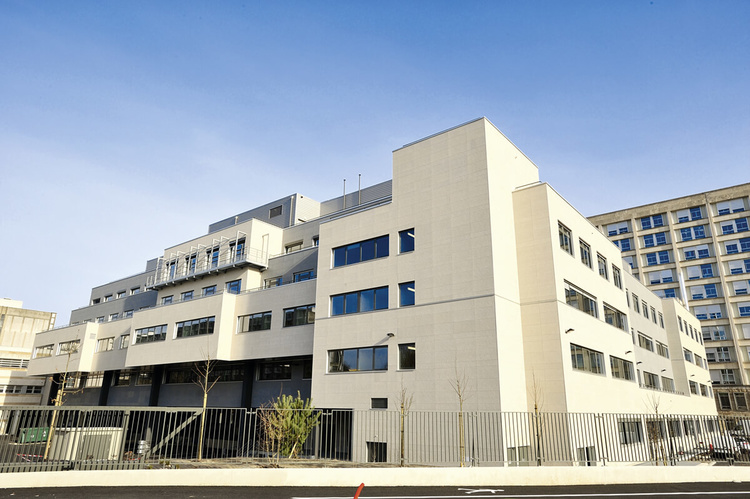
{"x":48,"y":438}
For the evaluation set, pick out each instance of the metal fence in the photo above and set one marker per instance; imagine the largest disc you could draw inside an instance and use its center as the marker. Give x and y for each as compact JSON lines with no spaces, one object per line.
{"x":48,"y":438}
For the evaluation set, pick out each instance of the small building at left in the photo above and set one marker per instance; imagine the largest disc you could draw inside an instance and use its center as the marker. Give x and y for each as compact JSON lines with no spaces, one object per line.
{"x":18,"y":327}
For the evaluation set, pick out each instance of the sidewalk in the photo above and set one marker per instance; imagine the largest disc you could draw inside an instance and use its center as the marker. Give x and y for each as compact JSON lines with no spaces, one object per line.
{"x":348,"y":477}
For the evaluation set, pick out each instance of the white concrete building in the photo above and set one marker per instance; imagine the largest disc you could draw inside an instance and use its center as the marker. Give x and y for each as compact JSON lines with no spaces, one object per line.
{"x":464,"y":265}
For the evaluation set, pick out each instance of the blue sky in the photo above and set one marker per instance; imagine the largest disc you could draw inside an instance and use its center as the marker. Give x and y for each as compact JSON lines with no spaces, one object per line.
{"x":127,"y":127}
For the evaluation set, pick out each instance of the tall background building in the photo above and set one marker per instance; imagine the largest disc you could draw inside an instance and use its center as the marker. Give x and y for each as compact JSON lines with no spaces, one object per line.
{"x":18,"y":328}
{"x":697,"y":248}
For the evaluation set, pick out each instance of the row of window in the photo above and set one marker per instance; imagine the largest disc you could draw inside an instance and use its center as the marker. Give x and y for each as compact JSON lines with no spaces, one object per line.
{"x":566,"y":243}
{"x":20,"y":389}
{"x":233,"y":287}
{"x":631,"y":431}
{"x":585,"y":302}
{"x":641,"y":306}
{"x":370,"y":249}
{"x":204,"y":260}
{"x":370,"y":358}
{"x":725,"y":401}
{"x":118,"y":295}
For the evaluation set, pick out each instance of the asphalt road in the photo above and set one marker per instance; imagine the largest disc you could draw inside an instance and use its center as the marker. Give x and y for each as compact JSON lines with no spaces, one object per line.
{"x":651,"y":491}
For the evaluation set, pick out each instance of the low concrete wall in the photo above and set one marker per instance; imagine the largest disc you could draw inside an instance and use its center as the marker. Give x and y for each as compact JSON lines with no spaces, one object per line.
{"x":352,"y":477}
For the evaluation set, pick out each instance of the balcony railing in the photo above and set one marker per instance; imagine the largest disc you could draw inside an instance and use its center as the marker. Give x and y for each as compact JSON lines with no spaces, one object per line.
{"x":185,"y":266}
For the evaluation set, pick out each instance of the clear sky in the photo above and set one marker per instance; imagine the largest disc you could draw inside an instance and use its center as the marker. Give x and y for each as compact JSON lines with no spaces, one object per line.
{"x":129,"y":126}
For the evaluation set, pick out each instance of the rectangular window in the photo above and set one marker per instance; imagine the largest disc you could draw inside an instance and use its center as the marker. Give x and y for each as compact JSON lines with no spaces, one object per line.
{"x":740,"y":401}
{"x":662,"y":349}
{"x":291,"y":248}
{"x":128,"y":314}
{"x":624,"y":244}
{"x":273,"y":371}
{"x":67,"y":347}
{"x":406,"y":241}
{"x":299,"y":316}
{"x":275,"y":211}
{"x":209,"y":290}
{"x":105,"y":344}
{"x":135,"y":291}
{"x":151,"y":334}
{"x":358,"y":359}
{"x":615,"y":318}
{"x":636,"y":303}
{"x":166,"y":300}
{"x":621,"y":368}
{"x":406,"y":291}
{"x":565,"y":238}
{"x":661,"y":320}
{"x":186,"y":296}
{"x":195,"y":327}
{"x":653,"y":315}
{"x":585,"y":253}
{"x":44,"y":351}
{"x":378,"y":403}
{"x":233,"y":287}
{"x":272,"y":282}
{"x":145,"y":375}
{"x":688,"y":355}
{"x":254,"y":322}
{"x":650,"y":380}
{"x":645,"y":342}
{"x":577,"y":298}
{"x":305,"y":275}
{"x":108,"y":298}
{"x":616,"y":277}
{"x":727,"y":376}
{"x":584,"y":359}
{"x":407,"y":356}
{"x":360,"y":301}
{"x":727,"y":207}
{"x":667,"y":384}
{"x":120,"y":294}
{"x":361,"y":251}
{"x":645,"y":309}
{"x":124,"y":341}
{"x":618,"y":228}
{"x":114,"y":317}
{"x":602,"y":266}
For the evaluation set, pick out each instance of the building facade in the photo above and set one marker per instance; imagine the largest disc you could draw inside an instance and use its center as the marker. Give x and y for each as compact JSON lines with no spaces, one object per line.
{"x":18,"y":327}
{"x":463,"y":267}
{"x":697,"y":249}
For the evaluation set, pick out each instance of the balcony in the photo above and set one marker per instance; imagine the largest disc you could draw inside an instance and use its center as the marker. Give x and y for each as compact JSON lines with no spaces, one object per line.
{"x":202,"y":262}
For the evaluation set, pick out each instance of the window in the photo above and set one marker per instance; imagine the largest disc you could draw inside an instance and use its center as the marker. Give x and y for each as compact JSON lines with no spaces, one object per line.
{"x":690,"y":233}
{"x":739,"y":266}
{"x":299,"y":316}
{"x":124,"y":341}
{"x":361,"y":251}
{"x":209,"y":290}
{"x":727,"y":376}
{"x":120,"y":294}
{"x":254,"y":322}
{"x":272,"y":282}
{"x":96,"y":301}
{"x":67,"y":347}
{"x":273,"y":371}
{"x":114,"y":317}
{"x":651,"y":222}
{"x":108,"y":298}
{"x":406,"y":241}
{"x":704,"y":391}
{"x":714,"y":333}
{"x":621,"y":368}
{"x":636,"y":303}
{"x":727,"y":207}
{"x":305,"y":275}
{"x":406,"y":291}
{"x":616,"y":277}
{"x":624,"y":244}
{"x":233,"y":287}
{"x":407,"y":356}
{"x":565,"y":235}
{"x":732,"y":226}
{"x":291,"y":248}
{"x":645,"y":342}
{"x":239,"y":250}
{"x":93,"y":379}
{"x":100,"y":319}
{"x":191,"y":262}
{"x":166,"y":300}
{"x":615,"y":317}
{"x":661,"y":320}
{"x":358,"y":359}
{"x":744,"y":309}
{"x":618,"y":228}
{"x":602,"y":266}
{"x":151,"y":334}
{"x":658,"y":258}
{"x":581,"y":300}
{"x":186,"y":296}
{"x":737,"y":246}
{"x":689,"y":214}
{"x":688,"y":355}
{"x":650,"y":380}
{"x":645,"y":309}
{"x":662,"y":349}
{"x":316,"y":241}
{"x":195,"y":327}
{"x":632,"y":262}
{"x":378,"y":403}
{"x":707,"y":312}
{"x":105,"y":344}
{"x":657,"y":239}
{"x":741,"y":287}
{"x":585,"y":253}
{"x":275,"y":211}
{"x":44,"y":351}
{"x":740,"y":401}
{"x":145,"y":376}
{"x":653,"y":315}
{"x":667,"y":384}
{"x":584,"y":359}
{"x":128,"y":314}
{"x":360,"y":301}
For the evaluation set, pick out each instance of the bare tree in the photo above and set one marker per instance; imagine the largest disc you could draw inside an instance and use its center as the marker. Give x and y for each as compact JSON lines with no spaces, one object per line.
{"x":204,"y":381}
{"x":404,"y":400}
{"x":655,"y":430}
{"x":459,"y":384}
{"x":537,"y":395}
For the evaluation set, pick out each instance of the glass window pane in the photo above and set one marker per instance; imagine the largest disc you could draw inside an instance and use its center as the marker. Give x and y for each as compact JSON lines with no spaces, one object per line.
{"x":353,"y":254}
{"x":368,"y":249}
{"x":367,"y":300}
{"x":350,"y":360}
{"x":351,"y":306}
{"x":381,"y":358}
{"x":364,"y":362}
{"x":381,"y":298}
{"x":381,"y":244}
{"x":337,"y":305}
{"x":339,"y":257}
